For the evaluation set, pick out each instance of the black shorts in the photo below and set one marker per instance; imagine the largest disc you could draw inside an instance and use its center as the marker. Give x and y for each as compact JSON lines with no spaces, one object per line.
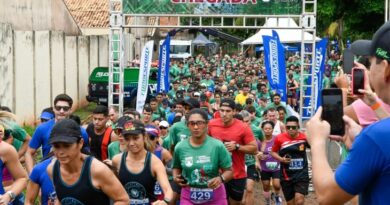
{"x":290,"y":188}
{"x":175,"y":187}
{"x":269,"y":175}
{"x":235,"y":189}
{"x":252,"y":173}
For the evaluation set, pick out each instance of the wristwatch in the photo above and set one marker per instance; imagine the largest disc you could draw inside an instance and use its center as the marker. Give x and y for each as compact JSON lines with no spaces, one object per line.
{"x":11,"y":195}
{"x":238,"y":146}
{"x":222,"y":178}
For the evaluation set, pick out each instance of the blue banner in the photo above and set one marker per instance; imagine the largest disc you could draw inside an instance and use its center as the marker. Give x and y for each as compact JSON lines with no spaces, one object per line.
{"x":275,"y":64}
{"x":163,"y":66}
{"x":319,"y":70}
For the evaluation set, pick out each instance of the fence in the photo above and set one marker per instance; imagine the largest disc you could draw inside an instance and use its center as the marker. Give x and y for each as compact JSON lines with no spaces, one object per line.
{"x":35,"y":66}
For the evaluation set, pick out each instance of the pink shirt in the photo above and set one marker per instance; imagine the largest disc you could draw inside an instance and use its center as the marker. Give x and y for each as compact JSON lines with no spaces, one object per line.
{"x":365,"y":114}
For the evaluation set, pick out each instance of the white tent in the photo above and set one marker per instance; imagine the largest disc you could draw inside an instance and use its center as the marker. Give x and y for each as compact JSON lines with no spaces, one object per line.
{"x":290,"y":35}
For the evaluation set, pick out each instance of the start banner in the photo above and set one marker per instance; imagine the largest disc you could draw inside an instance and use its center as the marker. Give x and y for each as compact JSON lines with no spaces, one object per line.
{"x":212,"y":7}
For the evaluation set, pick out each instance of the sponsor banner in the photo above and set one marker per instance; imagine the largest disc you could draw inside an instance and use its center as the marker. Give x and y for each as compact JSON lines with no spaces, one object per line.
{"x":318,"y":70}
{"x":275,"y":64}
{"x":208,"y":7}
{"x":163,"y":66}
{"x":144,"y":71}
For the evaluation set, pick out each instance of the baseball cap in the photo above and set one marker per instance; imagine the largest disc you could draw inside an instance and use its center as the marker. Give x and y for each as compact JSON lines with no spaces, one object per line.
{"x":46,"y":116}
{"x":133,"y":127}
{"x":152,"y":130}
{"x":196,"y":94}
{"x":121,"y":122}
{"x":66,"y":131}
{"x":163,"y":124}
{"x":379,"y":46}
{"x":228,"y":103}
{"x":192,"y":102}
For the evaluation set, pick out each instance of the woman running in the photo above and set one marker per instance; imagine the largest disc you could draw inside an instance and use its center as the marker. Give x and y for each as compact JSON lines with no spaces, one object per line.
{"x":139,"y":169}
{"x":201,"y":164}
{"x":269,"y":165}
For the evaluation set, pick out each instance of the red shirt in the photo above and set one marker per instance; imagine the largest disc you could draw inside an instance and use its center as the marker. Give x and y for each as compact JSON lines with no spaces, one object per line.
{"x":239,"y":132}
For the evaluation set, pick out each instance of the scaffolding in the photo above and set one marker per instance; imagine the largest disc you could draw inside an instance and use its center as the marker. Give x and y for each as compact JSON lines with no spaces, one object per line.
{"x":119,"y":21}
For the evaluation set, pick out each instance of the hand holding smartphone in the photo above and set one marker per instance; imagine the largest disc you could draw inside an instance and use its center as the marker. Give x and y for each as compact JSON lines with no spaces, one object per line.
{"x":332,"y":103}
{"x":358,"y":80}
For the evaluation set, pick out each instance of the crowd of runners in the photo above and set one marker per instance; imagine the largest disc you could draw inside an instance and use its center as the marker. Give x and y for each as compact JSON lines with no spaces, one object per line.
{"x":209,"y":140}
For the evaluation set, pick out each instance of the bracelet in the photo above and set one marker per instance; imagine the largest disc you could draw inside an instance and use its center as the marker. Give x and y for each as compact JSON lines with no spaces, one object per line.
{"x":222,"y":178}
{"x":167,"y":200}
{"x":375,"y":106}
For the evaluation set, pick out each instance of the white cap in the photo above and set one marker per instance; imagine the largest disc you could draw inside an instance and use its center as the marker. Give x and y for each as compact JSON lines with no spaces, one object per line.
{"x":196,"y":94}
{"x":164,"y":123}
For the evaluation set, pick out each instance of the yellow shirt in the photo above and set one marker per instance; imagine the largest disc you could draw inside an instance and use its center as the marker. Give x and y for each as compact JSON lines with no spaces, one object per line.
{"x":241,"y":99}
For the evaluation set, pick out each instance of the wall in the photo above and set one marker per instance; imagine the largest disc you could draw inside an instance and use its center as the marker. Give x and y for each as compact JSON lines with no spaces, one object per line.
{"x":28,"y":15}
{"x":35,"y":66}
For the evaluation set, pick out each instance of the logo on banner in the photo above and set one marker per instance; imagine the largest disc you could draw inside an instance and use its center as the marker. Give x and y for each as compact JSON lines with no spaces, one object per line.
{"x":273,"y":45}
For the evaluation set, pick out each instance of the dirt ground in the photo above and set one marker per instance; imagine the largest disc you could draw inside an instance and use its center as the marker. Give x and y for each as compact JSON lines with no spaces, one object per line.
{"x":259,"y":199}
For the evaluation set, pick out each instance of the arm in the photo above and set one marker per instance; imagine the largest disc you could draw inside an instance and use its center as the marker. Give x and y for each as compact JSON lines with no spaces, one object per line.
{"x":29,"y":158}
{"x":176,"y":173}
{"x":250,"y":148}
{"x":10,"y":158}
{"x":23,"y":148}
{"x":162,"y":177}
{"x":279,"y":158}
{"x":227,"y":175}
{"x":31,"y":193}
{"x":166,"y":156}
{"x":103,"y":178}
{"x":282,"y":127}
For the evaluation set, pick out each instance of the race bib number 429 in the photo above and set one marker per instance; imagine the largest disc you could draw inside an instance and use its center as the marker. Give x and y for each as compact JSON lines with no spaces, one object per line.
{"x":199,"y":196}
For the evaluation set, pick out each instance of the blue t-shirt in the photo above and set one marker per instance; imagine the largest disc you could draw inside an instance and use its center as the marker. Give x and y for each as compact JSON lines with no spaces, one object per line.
{"x":39,"y":176}
{"x":366,"y":170}
{"x":42,"y":134}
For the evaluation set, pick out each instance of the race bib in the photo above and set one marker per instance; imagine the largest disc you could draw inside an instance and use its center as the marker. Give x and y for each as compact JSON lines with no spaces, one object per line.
{"x":296,"y":164}
{"x":157,"y":189}
{"x":139,"y":201}
{"x":199,"y":196}
{"x":272,"y":165}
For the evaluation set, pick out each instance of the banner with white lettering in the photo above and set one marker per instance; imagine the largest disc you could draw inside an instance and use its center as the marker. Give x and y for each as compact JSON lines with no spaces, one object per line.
{"x":214,"y":7}
{"x":143,"y":78}
{"x":318,"y":70}
{"x":163,"y":66}
{"x":275,"y":64}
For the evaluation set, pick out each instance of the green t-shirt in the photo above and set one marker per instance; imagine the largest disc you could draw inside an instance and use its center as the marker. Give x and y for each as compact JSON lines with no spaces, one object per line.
{"x":257,"y":132}
{"x":249,"y":160}
{"x":18,"y":133}
{"x":166,"y":143}
{"x":200,"y":164}
{"x":113,"y":149}
{"x":178,"y":132}
{"x":325,"y":82}
{"x":208,"y":83}
{"x":272,"y":105}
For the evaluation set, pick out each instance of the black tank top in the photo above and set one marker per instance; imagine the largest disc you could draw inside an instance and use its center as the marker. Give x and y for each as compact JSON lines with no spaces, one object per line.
{"x":80,"y":193}
{"x":139,"y":186}
{"x":96,"y":142}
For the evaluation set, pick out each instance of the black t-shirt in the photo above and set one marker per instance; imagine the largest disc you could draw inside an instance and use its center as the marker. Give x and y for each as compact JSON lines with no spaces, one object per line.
{"x":95,"y":142}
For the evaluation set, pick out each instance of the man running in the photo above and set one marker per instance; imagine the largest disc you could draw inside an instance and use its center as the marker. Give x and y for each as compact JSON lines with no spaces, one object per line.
{"x":239,"y":140}
{"x":62,"y":109}
{"x":79,"y":178}
{"x":290,"y":149}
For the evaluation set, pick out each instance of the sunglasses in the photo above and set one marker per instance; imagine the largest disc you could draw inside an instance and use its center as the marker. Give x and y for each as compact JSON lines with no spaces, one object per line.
{"x":197,"y":123}
{"x":163,"y":128}
{"x":65,"y":108}
{"x":292,"y":127}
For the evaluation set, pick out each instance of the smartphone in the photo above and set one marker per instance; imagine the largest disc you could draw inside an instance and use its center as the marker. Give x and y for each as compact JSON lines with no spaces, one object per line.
{"x":358,"y":80}
{"x":332,"y":104}
{"x":348,"y":59}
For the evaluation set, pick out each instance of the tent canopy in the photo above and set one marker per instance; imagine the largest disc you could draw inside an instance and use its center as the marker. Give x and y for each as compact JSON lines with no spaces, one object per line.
{"x":202,"y":40}
{"x":285,"y":35}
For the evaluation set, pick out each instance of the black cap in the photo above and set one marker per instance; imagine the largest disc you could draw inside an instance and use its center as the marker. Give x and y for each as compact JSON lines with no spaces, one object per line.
{"x":121,"y":122}
{"x":133,"y":127}
{"x":67,"y":131}
{"x":228,"y":103}
{"x":192,"y":102}
{"x":379,"y":46}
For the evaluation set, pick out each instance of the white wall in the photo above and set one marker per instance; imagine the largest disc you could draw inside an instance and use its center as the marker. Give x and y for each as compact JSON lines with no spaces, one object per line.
{"x":36,"y":66}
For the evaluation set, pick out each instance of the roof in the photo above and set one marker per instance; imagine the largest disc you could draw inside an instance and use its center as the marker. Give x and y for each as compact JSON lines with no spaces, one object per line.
{"x":89,"y":13}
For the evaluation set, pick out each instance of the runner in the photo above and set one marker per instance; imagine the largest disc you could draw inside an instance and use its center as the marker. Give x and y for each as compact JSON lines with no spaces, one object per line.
{"x":196,"y":164}
{"x":9,"y":159}
{"x":290,"y":149}
{"x":99,"y":135}
{"x":78,"y":178}
{"x":62,"y":109}
{"x":138,"y":169}
{"x":273,"y":115}
{"x":270,"y":167}
{"x":239,"y":140}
